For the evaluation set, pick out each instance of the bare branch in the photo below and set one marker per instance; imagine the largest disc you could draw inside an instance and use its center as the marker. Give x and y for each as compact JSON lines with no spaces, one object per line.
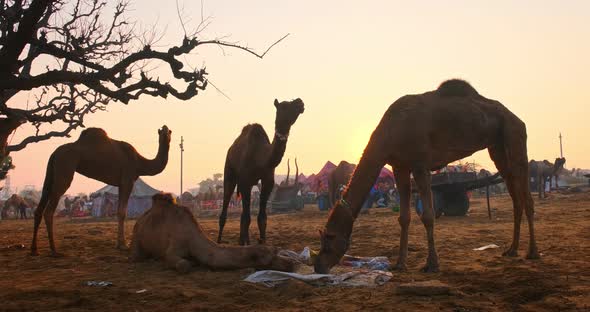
{"x":93,"y":62}
{"x":237,"y":46}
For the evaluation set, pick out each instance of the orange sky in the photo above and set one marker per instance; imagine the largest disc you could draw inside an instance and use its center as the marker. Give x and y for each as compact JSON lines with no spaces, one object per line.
{"x":349,"y":61}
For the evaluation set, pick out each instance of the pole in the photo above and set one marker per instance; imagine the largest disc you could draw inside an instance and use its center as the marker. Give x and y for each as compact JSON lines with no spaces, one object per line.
{"x":560,"y":146}
{"x":488,"y":200}
{"x":181,"y":152}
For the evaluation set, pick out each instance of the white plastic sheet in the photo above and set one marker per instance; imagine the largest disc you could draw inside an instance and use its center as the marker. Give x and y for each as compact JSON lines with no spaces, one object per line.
{"x":271,"y":278}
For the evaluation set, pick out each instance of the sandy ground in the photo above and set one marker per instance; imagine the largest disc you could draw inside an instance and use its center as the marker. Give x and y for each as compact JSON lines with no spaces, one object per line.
{"x":483,"y":281}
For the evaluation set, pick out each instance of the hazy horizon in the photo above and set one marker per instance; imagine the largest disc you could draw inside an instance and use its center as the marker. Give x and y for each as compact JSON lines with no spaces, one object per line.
{"x":348,"y":62}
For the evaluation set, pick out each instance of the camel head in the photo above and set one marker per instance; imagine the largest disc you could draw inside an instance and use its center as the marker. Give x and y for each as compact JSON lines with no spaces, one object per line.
{"x":335,"y":238}
{"x":165,"y":135}
{"x":559,"y":163}
{"x":162,"y":199}
{"x":287,"y":113}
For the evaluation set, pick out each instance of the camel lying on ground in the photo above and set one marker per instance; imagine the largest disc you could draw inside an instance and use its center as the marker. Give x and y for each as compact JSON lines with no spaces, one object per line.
{"x":170,"y":232}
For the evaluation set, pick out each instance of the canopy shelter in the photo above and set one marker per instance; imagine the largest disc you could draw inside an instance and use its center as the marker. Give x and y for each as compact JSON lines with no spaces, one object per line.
{"x":319,"y":182}
{"x":106,"y":199}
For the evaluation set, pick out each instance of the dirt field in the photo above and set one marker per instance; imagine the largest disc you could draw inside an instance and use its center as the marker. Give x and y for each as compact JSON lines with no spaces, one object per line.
{"x":483,"y":280}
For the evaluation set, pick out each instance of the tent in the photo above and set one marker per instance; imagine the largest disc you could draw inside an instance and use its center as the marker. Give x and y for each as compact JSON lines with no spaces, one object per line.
{"x":319,"y":181}
{"x":386,"y":176}
{"x":106,"y":199}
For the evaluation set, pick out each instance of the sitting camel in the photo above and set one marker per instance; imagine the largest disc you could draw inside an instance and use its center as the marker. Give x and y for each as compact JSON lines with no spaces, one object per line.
{"x":252,"y":157}
{"x":542,"y":171}
{"x":424,"y":132}
{"x":99,"y":157}
{"x":170,"y":232}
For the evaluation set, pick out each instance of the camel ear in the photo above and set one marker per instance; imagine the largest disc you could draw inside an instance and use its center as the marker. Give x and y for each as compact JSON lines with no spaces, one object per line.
{"x":159,"y":131}
{"x":276,"y":103}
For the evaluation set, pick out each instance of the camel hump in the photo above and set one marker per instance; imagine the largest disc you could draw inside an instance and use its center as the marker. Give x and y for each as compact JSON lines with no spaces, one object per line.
{"x":93,"y":134}
{"x":455,"y":87}
{"x":255,"y":131}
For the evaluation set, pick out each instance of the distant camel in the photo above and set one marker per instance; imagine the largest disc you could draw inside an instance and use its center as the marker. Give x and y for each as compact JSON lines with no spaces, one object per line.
{"x":99,"y":157}
{"x":339,"y":176}
{"x":18,"y":204}
{"x":543,"y":170}
{"x":252,"y":158}
{"x":424,"y":132}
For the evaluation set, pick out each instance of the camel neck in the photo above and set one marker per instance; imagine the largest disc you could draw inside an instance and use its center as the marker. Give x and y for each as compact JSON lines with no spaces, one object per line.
{"x":278,"y":147}
{"x":154,"y":166}
{"x":363,"y":178}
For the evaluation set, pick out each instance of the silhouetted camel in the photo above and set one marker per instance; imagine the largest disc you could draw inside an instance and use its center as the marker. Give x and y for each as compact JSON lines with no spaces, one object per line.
{"x":252,"y":157}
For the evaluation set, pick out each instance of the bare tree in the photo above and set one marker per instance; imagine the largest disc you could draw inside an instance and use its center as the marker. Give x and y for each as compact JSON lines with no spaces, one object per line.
{"x":76,"y":57}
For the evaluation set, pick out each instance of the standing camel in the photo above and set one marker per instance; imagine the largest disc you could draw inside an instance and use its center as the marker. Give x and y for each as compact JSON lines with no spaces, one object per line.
{"x":339,"y":176}
{"x":421,"y":133}
{"x":99,"y":157}
{"x":543,"y":170}
{"x":252,"y":158}
{"x":18,"y":204}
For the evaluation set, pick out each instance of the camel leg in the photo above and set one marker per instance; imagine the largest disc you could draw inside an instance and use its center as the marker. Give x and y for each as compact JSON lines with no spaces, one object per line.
{"x":38,"y":216}
{"x":245,"y":218}
{"x":422,"y":177}
{"x":515,"y":173}
{"x":267,"y":186}
{"x":404,"y":188}
{"x":48,"y":216}
{"x":174,"y":261}
{"x":229,"y":184}
{"x":124,"y":192}
{"x":136,"y":252}
{"x":58,"y":186}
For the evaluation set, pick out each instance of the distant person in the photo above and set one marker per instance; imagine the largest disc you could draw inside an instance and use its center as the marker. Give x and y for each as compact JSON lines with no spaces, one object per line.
{"x":22,"y":208}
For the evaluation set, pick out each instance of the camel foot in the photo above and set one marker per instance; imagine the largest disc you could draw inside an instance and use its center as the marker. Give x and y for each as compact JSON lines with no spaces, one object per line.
{"x":183,"y":266}
{"x":533,"y":254}
{"x":431,"y":265}
{"x":510,"y":253}
{"x":122,"y":246}
{"x":400,"y":267}
{"x":430,"y":268}
{"x":34,"y":253}
{"x":55,"y":254}
{"x":244,"y":242}
{"x":262,"y":241}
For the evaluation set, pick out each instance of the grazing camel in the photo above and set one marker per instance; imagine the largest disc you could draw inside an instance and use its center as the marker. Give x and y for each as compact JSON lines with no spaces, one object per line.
{"x":252,"y":157}
{"x":543,"y":170}
{"x":339,"y":176}
{"x":424,"y":132}
{"x":170,"y":232}
{"x":99,"y":157}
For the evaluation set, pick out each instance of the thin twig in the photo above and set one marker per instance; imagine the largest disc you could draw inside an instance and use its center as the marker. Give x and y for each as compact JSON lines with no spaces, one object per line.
{"x":180,"y":17}
{"x":237,"y":46}
{"x":218,"y":90}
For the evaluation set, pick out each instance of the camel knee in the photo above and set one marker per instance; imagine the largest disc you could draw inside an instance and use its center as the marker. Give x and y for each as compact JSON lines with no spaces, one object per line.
{"x":404,"y":221}
{"x":427,"y":219}
{"x":47,"y":214}
{"x":262,"y":215}
{"x":122,"y":215}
